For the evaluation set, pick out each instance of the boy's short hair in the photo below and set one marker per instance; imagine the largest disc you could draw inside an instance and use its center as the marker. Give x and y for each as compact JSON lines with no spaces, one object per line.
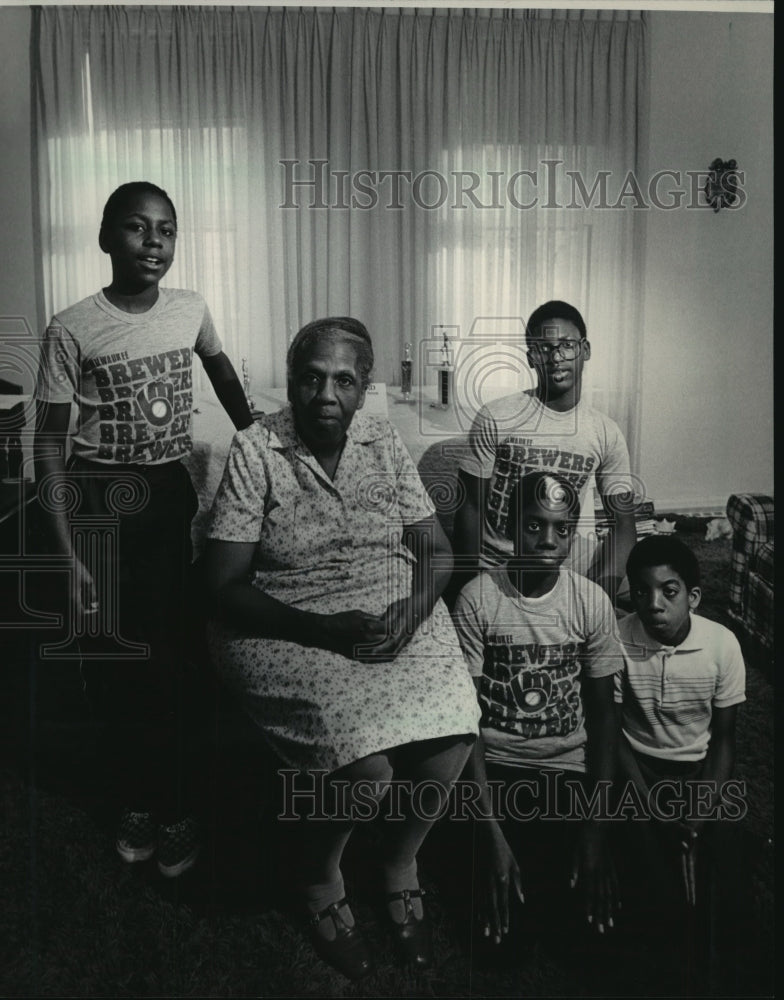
{"x":664,"y":550}
{"x":551,"y":490}
{"x":332,"y":326}
{"x":125,"y":193}
{"x":554,"y":309}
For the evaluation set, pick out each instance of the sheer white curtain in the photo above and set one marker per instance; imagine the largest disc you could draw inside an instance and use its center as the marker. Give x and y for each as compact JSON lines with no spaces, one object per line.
{"x":416,"y":168}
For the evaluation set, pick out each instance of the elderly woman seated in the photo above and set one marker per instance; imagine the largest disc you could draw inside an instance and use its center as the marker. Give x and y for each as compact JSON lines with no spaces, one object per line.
{"x":326,"y":565}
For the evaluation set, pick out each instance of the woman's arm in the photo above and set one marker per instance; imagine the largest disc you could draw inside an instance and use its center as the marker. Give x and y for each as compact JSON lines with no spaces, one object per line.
{"x":433,"y":568}
{"x":227,"y":569}
{"x":51,"y":432}
{"x":467,"y":532}
{"x":220,"y":372}
{"x":431,"y":572}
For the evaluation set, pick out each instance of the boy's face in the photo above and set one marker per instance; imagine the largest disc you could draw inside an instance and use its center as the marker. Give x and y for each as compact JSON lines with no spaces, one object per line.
{"x":140,"y":240}
{"x":557,"y":353}
{"x":543,"y":536}
{"x":663,"y":602}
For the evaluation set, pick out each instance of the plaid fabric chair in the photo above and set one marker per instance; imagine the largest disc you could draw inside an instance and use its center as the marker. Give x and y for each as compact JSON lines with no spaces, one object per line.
{"x":751,"y":575}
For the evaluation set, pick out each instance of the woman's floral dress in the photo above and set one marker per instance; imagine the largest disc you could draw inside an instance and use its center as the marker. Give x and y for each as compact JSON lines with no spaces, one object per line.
{"x":328,"y":546}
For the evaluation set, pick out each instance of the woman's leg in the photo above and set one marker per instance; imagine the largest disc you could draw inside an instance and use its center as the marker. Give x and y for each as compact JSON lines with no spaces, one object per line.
{"x":318,"y":844}
{"x":432,"y":767}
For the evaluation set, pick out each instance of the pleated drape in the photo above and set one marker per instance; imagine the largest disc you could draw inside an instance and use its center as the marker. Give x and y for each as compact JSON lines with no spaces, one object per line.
{"x":417,"y":168}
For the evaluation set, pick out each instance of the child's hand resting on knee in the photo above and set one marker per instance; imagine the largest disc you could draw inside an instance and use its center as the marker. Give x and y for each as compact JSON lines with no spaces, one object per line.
{"x":594,"y":871}
{"x":498,"y":874}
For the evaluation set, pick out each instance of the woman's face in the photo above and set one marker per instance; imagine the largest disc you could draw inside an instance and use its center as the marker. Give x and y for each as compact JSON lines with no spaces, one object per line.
{"x":325,"y":392}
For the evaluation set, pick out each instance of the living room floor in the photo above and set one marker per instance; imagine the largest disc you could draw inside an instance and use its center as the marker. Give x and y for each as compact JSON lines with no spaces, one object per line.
{"x":78,"y":923}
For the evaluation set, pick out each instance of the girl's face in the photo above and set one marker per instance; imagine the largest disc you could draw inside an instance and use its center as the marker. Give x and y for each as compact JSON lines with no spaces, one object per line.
{"x":140,"y":240}
{"x":326,"y":391}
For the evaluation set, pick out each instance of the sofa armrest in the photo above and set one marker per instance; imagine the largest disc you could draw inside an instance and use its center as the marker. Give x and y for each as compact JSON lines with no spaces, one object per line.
{"x":751,"y":517}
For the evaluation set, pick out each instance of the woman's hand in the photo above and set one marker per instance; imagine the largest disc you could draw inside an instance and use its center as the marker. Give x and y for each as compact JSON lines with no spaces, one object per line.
{"x":498,"y":873}
{"x":365,"y":637}
{"x":398,"y":625}
{"x":354,"y":634}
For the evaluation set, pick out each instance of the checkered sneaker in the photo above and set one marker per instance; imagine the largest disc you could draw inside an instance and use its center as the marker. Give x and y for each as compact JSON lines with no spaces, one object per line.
{"x":178,"y":847}
{"x":135,"y":836}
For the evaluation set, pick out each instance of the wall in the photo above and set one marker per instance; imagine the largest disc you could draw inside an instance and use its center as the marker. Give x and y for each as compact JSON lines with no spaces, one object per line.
{"x":707,"y":396}
{"x":707,"y":400}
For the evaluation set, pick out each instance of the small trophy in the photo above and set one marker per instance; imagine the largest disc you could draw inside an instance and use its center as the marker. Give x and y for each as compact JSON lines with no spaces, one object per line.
{"x":445,"y":375}
{"x":406,"y":370}
{"x":246,"y":385}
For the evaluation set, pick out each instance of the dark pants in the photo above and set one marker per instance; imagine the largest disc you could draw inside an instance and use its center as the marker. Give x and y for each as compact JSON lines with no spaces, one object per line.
{"x":132,"y":529}
{"x":688,"y":937}
{"x":542,"y":825}
{"x":553,"y":918}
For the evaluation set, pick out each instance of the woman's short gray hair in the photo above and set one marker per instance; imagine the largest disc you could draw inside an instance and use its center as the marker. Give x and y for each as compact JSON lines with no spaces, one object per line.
{"x":330,"y":328}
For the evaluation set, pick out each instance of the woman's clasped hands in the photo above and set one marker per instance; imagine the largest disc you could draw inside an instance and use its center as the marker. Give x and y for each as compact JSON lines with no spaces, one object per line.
{"x":368,"y":638}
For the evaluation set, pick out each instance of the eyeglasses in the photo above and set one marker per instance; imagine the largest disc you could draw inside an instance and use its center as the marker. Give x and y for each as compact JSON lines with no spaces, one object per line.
{"x":543,"y":350}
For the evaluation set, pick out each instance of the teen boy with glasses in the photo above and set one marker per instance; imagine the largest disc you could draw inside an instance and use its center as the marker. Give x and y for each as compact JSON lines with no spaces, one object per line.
{"x":549,"y":428}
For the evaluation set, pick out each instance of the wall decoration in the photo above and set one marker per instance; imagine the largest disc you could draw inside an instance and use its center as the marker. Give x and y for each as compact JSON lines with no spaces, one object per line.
{"x":721,"y":188}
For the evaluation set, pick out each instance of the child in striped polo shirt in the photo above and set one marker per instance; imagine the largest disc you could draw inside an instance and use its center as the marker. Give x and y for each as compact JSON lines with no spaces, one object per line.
{"x":678,"y":694}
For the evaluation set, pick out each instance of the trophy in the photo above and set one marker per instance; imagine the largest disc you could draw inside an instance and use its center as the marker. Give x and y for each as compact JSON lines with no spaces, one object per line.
{"x":445,"y":376}
{"x":406,"y":372}
{"x":246,"y":385}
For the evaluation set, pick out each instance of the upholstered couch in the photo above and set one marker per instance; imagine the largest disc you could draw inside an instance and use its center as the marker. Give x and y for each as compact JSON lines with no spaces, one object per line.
{"x":751,"y":576}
